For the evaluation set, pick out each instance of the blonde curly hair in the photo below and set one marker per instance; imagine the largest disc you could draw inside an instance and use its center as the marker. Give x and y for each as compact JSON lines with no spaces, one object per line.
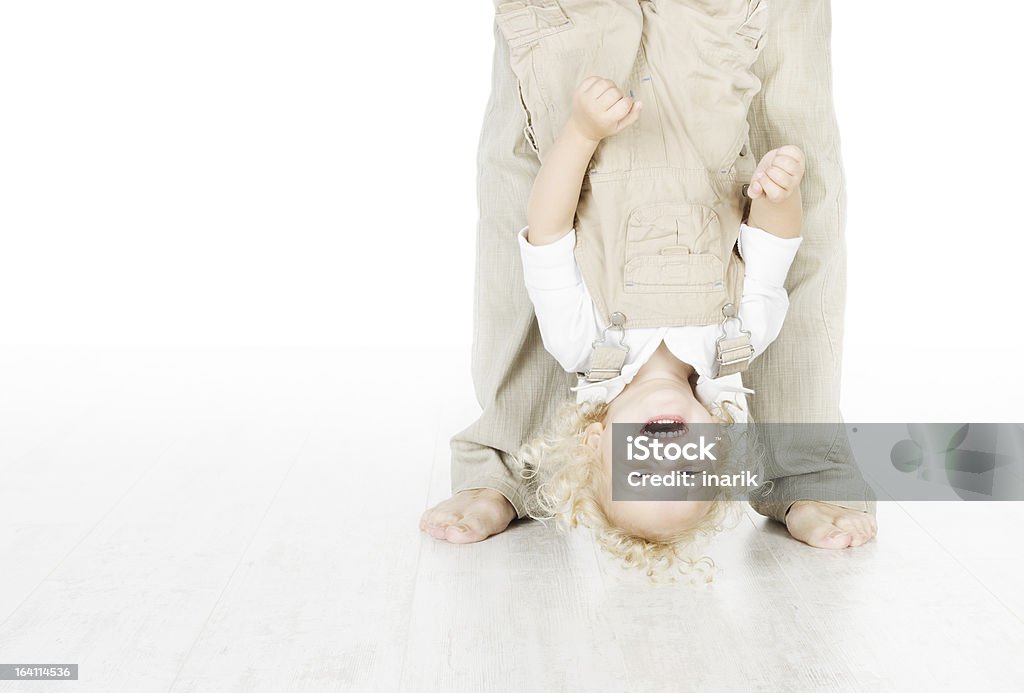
{"x":567,"y":482}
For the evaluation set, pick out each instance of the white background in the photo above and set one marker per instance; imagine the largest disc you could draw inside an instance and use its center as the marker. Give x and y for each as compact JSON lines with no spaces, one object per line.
{"x":302,"y":173}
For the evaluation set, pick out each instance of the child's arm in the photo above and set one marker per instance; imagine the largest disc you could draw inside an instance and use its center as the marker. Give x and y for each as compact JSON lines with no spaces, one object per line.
{"x":777,"y":206}
{"x":599,"y":110}
{"x":563,"y":306}
{"x":768,"y":244}
{"x":765,"y":301}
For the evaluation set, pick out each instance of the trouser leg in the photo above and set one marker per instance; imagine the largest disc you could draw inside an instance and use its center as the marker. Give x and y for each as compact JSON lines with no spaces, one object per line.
{"x":518,"y":385}
{"x":797,"y":379}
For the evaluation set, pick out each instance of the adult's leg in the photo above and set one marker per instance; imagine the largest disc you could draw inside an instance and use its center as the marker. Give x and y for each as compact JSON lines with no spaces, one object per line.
{"x":798,"y":378}
{"x":518,"y":385}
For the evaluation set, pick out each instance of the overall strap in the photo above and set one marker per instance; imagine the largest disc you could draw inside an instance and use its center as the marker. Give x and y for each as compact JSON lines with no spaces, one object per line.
{"x":732,"y":354}
{"x":606,"y":360}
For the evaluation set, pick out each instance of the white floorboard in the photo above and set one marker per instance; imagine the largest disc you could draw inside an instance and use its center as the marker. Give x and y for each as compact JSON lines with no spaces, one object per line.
{"x":246,"y":520}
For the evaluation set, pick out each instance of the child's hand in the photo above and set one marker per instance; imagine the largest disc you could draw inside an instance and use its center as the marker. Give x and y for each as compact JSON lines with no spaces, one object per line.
{"x":778,"y":175}
{"x":600,"y":110}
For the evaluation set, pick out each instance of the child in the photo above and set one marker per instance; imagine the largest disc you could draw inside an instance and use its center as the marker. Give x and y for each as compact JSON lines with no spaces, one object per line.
{"x":667,"y":376}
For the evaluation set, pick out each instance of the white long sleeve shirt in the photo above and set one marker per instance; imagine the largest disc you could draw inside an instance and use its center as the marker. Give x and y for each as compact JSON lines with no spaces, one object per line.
{"x":570,"y":323}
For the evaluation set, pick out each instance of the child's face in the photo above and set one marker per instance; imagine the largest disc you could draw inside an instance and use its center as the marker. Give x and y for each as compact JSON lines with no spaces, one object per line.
{"x":649,"y":400}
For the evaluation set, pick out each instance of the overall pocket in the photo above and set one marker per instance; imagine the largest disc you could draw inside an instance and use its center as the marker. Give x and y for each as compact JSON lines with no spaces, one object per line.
{"x":523,"y":21}
{"x":673,"y":248}
{"x":525,"y":24}
{"x":753,"y":29}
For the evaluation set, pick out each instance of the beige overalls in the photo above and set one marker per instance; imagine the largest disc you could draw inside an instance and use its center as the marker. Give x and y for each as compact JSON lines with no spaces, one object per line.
{"x":661,"y":205}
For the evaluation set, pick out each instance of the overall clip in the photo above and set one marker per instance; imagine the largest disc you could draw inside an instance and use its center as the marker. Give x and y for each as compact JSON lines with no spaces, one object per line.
{"x":732,"y":354}
{"x":606,"y":360}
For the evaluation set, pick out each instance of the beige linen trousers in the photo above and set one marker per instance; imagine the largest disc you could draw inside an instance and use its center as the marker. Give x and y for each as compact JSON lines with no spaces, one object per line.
{"x":519,"y":386}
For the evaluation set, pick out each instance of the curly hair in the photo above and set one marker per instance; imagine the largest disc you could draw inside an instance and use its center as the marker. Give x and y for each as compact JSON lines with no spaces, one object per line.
{"x":566,"y":479}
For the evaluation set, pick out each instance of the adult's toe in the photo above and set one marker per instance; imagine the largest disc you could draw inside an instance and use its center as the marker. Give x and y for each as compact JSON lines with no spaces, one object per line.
{"x":468,"y":531}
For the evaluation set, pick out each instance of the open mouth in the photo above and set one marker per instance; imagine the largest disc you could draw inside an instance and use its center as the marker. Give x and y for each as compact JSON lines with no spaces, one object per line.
{"x":662,"y":427}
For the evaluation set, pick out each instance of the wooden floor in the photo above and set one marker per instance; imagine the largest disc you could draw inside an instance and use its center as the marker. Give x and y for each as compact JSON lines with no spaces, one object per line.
{"x":246,"y":520}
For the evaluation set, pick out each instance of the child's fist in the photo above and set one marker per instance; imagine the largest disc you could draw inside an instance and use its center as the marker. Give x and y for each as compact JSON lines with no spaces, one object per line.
{"x":778,"y":175}
{"x":600,"y":110}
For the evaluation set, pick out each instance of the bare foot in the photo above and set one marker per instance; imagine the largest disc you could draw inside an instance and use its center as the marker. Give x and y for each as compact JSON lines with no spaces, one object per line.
{"x":468,"y":516}
{"x":828,"y":526}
